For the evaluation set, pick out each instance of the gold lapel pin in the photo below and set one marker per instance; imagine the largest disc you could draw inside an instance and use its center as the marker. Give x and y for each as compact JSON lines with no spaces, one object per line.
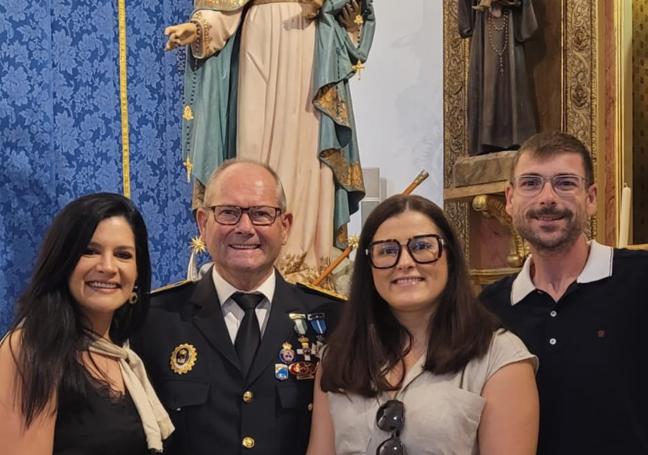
{"x":183,"y":358}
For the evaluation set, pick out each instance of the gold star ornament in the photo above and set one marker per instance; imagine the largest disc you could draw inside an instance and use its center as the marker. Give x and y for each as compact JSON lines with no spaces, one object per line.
{"x":198,"y":245}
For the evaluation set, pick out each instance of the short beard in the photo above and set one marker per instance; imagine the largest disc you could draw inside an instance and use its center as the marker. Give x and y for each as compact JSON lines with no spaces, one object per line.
{"x":568,"y":237}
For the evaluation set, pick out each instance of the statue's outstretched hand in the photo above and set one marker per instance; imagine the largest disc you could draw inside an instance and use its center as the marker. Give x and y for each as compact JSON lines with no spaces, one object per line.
{"x":311,"y":8}
{"x":180,"y":35}
{"x":351,"y":17}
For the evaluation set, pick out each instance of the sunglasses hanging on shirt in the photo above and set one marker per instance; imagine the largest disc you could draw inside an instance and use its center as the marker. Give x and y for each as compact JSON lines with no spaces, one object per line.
{"x":391,"y":419}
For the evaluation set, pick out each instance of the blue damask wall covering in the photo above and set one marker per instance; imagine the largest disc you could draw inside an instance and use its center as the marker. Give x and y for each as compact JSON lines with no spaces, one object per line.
{"x":60,"y":127}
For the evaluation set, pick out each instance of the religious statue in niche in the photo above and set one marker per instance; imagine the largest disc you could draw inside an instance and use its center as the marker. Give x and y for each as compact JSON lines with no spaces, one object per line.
{"x":501,"y":111}
{"x":269,"y":80}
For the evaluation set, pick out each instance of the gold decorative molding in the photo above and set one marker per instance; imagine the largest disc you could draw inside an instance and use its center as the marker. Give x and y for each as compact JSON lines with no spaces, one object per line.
{"x":635,"y":123}
{"x":457,"y":212}
{"x":468,"y":192}
{"x":455,"y":70}
{"x":579,"y":70}
{"x":580,"y":78}
{"x":484,"y":277}
{"x":123,"y":97}
{"x":455,"y":76}
{"x":579,"y":86}
{"x":494,"y":207}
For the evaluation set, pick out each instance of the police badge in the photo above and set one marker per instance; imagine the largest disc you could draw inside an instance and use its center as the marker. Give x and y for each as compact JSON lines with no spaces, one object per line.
{"x":183,"y":358}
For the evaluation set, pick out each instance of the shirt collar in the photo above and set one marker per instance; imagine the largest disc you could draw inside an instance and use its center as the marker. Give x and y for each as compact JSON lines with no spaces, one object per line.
{"x":597,"y":267}
{"x":225,"y":290}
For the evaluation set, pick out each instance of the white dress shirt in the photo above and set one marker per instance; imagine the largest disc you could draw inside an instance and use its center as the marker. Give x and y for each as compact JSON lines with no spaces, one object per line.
{"x":232,"y":313}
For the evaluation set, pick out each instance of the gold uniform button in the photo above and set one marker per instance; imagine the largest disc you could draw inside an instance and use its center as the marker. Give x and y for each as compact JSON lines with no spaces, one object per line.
{"x":310,"y":406}
{"x":248,"y":396}
{"x":248,"y":442}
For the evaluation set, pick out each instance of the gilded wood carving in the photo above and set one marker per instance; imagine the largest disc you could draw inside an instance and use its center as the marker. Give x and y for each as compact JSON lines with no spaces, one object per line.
{"x":578,"y":86}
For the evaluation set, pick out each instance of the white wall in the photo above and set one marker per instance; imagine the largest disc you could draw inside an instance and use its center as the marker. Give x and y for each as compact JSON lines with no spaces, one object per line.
{"x":398,"y":100}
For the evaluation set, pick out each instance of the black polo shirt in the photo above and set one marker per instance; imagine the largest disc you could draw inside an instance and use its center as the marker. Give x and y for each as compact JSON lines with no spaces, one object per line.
{"x":593,"y":351}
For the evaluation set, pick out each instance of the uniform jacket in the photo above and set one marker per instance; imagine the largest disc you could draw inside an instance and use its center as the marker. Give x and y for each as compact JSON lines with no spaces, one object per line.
{"x":214,"y":408}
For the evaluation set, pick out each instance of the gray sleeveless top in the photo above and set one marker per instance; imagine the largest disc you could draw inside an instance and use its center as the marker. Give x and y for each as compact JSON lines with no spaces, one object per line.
{"x":442,"y":412}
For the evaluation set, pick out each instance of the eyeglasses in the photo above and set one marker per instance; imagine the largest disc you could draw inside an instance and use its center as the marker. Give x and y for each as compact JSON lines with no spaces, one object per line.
{"x":391,"y":418}
{"x":424,"y":249}
{"x":260,"y":215}
{"x":562,"y":184}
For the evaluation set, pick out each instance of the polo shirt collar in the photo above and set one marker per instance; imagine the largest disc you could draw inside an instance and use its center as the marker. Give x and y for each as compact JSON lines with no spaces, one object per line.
{"x":597,"y":267}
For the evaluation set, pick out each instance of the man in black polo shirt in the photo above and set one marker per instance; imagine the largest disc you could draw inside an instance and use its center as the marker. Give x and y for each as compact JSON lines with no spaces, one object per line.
{"x":580,"y":306}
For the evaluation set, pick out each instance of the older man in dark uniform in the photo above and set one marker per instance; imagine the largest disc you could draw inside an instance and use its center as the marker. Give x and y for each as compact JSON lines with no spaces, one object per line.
{"x":233,"y":355}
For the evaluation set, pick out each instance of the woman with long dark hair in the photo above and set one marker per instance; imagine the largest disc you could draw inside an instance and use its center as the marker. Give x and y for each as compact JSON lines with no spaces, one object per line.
{"x":68,"y":381}
{"x":417,"y":365}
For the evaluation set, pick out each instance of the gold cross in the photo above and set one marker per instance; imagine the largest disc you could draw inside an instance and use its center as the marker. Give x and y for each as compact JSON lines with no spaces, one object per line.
{"x":188,"y":166}
{"x":358,"y":20}
{"x":187,"y":113}
{"x":358,"y":67}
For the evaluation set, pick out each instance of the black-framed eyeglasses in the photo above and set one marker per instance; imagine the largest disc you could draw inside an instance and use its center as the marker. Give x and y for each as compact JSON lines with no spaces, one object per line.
{"x":391,"y":418}
{"x":562,"y":184}
{"x":424,"y":249}
{"x":260,"y":215}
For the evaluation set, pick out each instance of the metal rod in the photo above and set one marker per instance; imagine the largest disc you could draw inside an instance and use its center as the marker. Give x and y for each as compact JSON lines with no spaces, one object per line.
{"x":345,"y":254}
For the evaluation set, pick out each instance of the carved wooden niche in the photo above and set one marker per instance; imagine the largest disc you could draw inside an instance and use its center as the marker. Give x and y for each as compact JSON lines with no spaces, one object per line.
{"x":561,"y":61}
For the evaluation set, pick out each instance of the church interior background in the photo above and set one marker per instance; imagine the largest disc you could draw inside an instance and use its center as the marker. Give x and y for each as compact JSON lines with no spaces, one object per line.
{"x":61,"y":122}
{"x":587,"y":63}
{"x":69,"y":71}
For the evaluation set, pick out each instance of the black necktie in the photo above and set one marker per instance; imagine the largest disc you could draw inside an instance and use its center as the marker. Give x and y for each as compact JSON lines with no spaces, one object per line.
{"x":248,"y":336}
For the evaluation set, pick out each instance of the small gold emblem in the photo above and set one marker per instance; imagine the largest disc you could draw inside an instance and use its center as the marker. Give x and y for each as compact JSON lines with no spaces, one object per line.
{"x":358,"y":68}
{"x":188,"y":165}
{"x":187,"y":113}
{"x":183,"y":358}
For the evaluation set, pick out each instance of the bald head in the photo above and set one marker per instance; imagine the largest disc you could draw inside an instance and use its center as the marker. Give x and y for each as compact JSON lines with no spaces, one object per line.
{"x":242,"y":171}
{"x":244,"y":252}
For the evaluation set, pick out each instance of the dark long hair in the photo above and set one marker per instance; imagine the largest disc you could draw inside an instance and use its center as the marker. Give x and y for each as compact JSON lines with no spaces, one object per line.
{"x":52,"y":327}
{"x":370,"y":341}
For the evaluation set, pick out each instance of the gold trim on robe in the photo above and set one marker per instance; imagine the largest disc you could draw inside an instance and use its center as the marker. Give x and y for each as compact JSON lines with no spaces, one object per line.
{"x":329,"y":101}
{"x":221,"y":5}
{"x":348,"y":174}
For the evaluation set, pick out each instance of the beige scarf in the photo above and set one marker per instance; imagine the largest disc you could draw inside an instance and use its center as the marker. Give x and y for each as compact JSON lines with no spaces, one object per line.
{"x":155,"y":420}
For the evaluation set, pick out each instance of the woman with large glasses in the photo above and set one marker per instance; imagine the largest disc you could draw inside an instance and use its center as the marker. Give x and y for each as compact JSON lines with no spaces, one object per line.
{"x":69,"y":383}
{"x":416,"y":364}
